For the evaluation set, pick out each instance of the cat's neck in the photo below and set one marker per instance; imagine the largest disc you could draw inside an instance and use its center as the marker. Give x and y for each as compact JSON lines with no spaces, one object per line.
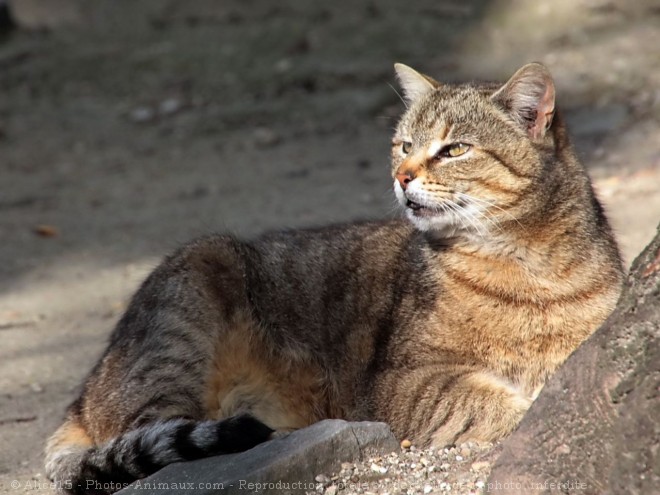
{"x":544,"y":251}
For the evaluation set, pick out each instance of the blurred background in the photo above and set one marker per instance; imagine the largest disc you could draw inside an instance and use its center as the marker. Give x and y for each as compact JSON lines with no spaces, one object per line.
{"x":129,"y":126}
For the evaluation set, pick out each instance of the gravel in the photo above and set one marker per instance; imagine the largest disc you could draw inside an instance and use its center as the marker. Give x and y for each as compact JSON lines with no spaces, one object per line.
{"x":462,"y":469}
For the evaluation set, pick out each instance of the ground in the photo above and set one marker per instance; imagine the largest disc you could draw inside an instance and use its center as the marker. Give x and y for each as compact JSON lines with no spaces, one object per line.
{"x":145,"y":123}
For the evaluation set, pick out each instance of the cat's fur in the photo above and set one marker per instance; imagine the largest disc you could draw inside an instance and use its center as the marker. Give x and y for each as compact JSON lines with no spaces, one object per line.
{"x":445,"y":325}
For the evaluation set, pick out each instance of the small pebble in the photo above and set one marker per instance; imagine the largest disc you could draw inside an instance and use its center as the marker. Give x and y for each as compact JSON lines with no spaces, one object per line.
{"x":36,"y":388}
{"x":265,"y":137}
{"x":406,"y":444}
{"x":322,"y":478}
{"x":141,"y":115}
{"x":563,"y":449}
{"x":169,"y":106}
{"x":480,"y":465}
{"x":46,"y":231}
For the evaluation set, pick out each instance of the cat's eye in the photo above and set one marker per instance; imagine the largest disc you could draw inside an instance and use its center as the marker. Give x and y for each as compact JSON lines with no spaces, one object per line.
{"x":458,"y":149}
{"x":406,"y":146}
{"x":454,"y":150}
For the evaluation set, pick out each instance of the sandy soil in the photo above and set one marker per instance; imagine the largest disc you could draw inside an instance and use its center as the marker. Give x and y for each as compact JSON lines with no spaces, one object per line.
{"x":142,"y":126}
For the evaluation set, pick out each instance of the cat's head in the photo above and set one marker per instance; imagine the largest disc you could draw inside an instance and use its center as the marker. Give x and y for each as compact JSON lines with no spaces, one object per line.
{"x":464,"y":156}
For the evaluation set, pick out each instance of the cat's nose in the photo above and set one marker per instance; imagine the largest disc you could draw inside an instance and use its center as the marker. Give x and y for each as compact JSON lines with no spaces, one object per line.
{"x":405,"y":177}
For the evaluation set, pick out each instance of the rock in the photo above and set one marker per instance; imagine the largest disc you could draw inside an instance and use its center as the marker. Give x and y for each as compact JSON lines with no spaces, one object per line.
{"x":265,"y":137}
{"x":142,"y":114}
{"x":480,"y":465}
{"x":406,"y":444}
{"x":595,"y":426}
{"x":36,"y":388}
{"x":169,"y":106}
{"x":287,"y":464}
{"x":323,"y":479}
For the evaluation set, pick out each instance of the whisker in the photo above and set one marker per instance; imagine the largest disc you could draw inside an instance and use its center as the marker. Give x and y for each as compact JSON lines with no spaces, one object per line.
{"x":446,"y":208}
{"x":400,"y":97}
{"x":478,"y":223}
{"x":491,"y":205}
{"x":491,"y":221}
{"x":394,"y":205}
{"x":476,"y":219}
{"x":463,"y":214}
{"x":395,"y":208}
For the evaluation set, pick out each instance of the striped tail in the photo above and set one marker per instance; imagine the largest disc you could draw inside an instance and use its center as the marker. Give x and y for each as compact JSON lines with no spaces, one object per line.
{"x":78,"y":467}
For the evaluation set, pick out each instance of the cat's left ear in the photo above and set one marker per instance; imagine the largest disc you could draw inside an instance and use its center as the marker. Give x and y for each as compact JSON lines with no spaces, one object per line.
{"x":529,"y":97}
{"x":414,"y":84}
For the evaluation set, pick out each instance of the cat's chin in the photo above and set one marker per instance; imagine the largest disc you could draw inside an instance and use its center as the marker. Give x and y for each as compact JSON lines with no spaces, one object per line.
{"x":439,"y":223}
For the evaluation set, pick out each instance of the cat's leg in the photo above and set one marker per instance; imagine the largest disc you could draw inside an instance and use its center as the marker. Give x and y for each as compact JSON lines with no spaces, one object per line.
{"x":250,"y":374}
{"x":445,"y":405}
{"x":480,"y":406}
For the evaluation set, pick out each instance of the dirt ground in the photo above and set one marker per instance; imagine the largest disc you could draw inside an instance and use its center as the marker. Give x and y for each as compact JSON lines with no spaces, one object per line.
{"x":146,"y":123}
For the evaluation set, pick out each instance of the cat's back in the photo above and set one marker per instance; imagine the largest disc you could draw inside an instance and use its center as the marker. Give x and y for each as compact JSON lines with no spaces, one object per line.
{"x":299,"y":281}
{"x":325,"y":281}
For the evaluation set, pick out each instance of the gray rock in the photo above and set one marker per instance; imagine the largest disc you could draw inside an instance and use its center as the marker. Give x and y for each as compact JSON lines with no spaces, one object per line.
{"x":142,"y":114}
{"x":169,"y":106}
{"x":266,"y":138}
{"x":285,"y":465}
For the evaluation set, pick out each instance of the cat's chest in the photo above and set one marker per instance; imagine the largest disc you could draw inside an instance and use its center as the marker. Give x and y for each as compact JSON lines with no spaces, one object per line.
{"x":506,"y":314}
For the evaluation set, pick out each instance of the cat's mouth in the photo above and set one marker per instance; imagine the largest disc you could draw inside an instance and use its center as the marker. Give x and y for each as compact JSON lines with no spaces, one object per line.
{"x":414,"y":206}
{"x":419,"y":210}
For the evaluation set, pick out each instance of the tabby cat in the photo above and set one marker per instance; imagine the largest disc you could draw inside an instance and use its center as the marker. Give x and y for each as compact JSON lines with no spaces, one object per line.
{"x":445,"y":325}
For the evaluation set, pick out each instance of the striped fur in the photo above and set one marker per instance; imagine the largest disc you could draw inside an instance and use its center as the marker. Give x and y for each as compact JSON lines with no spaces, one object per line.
{"x":142,"y":451}
{"x":445,"y":325}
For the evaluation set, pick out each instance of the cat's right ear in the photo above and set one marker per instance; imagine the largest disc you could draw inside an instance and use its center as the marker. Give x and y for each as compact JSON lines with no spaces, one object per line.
{"x":414,"y":84}
{"x":529,"y":97}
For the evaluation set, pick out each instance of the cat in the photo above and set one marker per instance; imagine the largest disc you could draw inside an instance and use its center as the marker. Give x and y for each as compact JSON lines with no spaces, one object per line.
{"x":444,"y":324}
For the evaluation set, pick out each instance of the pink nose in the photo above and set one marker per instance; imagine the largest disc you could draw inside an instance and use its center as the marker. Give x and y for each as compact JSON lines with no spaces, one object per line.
{"x":404,"y":178}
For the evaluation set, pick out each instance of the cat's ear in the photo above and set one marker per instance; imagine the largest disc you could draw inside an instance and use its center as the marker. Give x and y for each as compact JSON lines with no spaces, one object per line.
{"x":414,"y":84}
{"x":529,"y":97}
